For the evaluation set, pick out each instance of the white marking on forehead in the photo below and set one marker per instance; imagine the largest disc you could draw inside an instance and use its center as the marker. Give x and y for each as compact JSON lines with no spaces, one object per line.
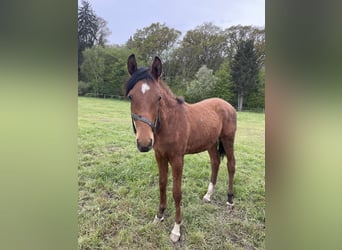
{"x":144,"y":87}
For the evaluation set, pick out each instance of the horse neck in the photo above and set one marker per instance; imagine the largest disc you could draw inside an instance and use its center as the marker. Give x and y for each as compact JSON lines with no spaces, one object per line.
{"x":168,"y":97}
{"x":169,"y":105}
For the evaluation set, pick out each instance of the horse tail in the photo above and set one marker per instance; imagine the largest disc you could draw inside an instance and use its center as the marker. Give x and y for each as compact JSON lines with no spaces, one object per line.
{"x":220,"y":149}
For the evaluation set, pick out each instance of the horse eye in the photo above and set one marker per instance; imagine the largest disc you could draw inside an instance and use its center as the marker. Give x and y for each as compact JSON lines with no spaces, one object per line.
{"x":130,"y":97}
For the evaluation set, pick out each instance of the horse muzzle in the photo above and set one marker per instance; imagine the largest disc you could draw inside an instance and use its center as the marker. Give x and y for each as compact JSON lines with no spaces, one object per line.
{"x":144,"y":147}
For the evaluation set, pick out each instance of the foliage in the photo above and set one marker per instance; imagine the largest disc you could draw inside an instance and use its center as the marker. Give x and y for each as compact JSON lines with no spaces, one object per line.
{"x":119,"y":191}
{"x":255,"y":100}
{"x":84,"y":88}
{"x":87,"y":26}
{"x":238,"y":33}
{"x":202,"y":86}
{"x":224,"y":84}
{"x":244,"y":70}
{"x":91,"y":29}
{"x":93,"y":67}
{"x":156,"y":39}
{"x":103,"y":32}
{"x":105,"y":68}
{"x":201,"y":46}
{"x":115,"y":73}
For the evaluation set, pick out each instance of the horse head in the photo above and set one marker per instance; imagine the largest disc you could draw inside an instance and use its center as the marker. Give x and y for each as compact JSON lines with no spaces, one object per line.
{"x":142,"y":91}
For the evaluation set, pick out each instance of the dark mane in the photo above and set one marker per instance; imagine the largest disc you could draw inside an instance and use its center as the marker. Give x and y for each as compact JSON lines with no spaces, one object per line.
{"x":141,"y":73}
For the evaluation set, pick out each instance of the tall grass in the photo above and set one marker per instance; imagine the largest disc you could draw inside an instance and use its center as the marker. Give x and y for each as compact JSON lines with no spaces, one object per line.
{"x":119,"y":190}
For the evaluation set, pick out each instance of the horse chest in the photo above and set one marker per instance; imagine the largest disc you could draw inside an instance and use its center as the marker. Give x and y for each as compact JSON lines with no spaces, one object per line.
{"x":171,"y":141}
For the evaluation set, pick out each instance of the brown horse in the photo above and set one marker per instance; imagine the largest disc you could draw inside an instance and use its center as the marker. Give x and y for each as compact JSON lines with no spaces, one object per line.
{"x":174,"y":128}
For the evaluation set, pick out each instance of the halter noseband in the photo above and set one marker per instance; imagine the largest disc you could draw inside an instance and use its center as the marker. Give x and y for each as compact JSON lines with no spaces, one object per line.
{"x":153,"y":126}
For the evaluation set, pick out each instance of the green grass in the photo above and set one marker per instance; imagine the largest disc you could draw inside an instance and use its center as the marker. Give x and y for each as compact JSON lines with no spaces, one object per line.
{"x":119,"y":190}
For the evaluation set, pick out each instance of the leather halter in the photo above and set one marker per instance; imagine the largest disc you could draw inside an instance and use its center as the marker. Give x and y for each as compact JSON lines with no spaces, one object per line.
{"x":154,"y":125}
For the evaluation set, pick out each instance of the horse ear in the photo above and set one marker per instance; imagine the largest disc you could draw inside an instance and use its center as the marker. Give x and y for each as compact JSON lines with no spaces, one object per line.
{"x":132,"y":64}
{"x":156,"y":67}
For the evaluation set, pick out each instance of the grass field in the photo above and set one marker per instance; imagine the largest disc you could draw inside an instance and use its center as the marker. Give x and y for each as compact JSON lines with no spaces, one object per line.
{"x":119,"y":190}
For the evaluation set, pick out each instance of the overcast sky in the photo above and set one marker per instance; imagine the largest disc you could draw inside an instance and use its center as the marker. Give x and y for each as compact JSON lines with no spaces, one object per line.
{"x":124,"y":17}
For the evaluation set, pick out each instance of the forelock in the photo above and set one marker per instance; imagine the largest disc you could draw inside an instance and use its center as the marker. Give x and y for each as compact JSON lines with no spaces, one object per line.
{"x":140,"y":74}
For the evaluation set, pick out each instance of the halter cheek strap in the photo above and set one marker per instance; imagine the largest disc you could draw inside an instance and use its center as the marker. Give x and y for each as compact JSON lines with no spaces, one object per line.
{"x":145,"y":120}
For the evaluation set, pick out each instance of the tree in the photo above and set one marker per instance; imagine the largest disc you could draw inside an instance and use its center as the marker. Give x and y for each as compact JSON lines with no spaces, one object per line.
{"x":237,"y":33}
{"x":91,"y":30}
{"x":244,"y":70}
{"x":103,"y":32}
{"x":202,"y":86}
{"x":93,"y":67}
{"x":224,"y":85}
{"x":202,"y":46}
{"x":87,"y":29}
{"x":256,"y":99}
{"x":156,"y":39}
{"x":104,"y":69}
{"x":115,"y":73}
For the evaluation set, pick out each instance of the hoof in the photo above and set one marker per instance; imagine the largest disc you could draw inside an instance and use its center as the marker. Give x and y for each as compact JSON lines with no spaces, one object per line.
{"x":206,"y":199}
{"x":175,"y":233}
{"x":230,"y":205}
{"x":174,"y":237}
{"x":157,"y":220}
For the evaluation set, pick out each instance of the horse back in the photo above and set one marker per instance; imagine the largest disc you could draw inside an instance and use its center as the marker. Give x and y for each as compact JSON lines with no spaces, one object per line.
{"x":212,"y":110}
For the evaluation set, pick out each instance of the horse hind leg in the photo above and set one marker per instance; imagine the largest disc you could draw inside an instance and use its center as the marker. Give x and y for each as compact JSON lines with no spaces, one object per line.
{"x":214,"y":155}
{"x":228,"y":144}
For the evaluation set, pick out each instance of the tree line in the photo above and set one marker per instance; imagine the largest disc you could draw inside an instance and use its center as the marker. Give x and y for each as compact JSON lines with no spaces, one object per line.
{"x":208,"y":61}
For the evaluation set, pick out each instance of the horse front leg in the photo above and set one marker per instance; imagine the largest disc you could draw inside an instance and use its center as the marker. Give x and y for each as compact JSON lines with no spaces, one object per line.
{"x":163,"y":171}
{"x":177,"y":170}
